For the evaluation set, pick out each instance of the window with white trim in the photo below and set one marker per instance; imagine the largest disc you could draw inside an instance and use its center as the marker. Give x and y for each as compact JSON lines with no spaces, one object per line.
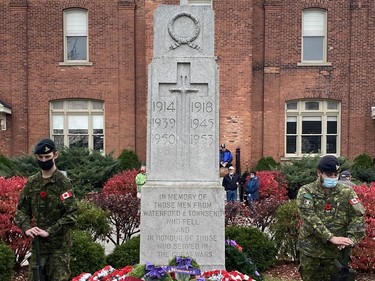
{"x":78,"y":123}
{"x":200,"y":2}
{"x":314,"y":36}
{"x":312,"y":127}
{"x":76,"y":36}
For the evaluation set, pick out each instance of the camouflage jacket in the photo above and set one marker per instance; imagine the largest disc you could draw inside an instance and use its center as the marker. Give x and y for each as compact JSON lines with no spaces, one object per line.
{"x":50,"y":205}
{"x":339,"y":213}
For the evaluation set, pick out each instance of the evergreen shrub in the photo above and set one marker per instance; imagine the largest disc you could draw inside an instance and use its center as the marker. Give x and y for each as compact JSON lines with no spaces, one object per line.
{"x":125,"y":254}
{"x":86,"y":255}
{"x":237,"y":260}
{"x":363,"y":168}
{"x":267,"y":164}
{"x":255,"y":244}
{"x":128,"y":160}
{"x":87,"y":169}
{"x":93,"y":220}
{"x":300,"y":172}
{"x":5,"y":166}
{"x":284,"y":230}
{"x":6,"y":262}
{"x":23,"y":165}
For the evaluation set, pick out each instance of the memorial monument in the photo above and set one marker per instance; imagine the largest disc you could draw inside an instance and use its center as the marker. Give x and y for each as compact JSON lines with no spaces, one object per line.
{"x":182,"y":207}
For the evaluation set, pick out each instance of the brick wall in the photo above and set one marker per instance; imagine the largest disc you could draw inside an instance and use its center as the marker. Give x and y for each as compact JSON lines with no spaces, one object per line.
{"x":258,"y":47}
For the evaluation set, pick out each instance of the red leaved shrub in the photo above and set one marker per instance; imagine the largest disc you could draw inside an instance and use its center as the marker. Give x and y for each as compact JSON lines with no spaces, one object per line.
{"x":236,"y":214}
{"x":119,"y":198}
{"x":272,"y":193}
{"x":10,"y":190}
{"x":363,"y":257}
{"x":273,"y":184}
{"x":123,"y":182}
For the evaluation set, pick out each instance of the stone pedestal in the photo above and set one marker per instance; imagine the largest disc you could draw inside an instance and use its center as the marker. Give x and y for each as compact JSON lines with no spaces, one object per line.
{"x":182,"y":208}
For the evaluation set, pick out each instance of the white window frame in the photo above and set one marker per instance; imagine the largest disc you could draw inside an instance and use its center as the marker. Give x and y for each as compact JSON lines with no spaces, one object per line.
{"x":65,"y":113}
{"x":320,"y":31}
{"x":324,"y":113}
{"x":200,"y":2}
{"x":82,"y":33}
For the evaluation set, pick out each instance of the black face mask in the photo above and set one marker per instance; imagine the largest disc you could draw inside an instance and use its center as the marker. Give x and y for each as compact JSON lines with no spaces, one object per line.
{"x":46,"y":165}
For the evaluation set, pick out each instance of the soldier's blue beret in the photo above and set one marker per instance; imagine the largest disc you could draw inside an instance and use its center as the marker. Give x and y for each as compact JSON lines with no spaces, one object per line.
{"x":328,"y":164}
{"x":45,"y":146}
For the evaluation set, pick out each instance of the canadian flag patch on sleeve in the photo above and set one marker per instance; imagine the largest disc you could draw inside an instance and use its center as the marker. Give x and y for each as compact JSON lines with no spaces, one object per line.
{"x":66,"y":195}
{"x":354,"y":201}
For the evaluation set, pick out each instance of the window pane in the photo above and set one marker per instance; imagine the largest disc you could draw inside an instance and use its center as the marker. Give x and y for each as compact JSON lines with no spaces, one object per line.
{"x":291,"y":144}
{"x":58,"y":124}
{"x":76,"y":23}
{"x":312,"y":105}
{"x":78,"y":141}
{"x":57,"y":105}
{"x":59,"y":140}
{"x":291,"y":125}
{"x":311,"y":144}
{"x":331,"y":144}
{"x":98,"y":142}
{"x":200,"y":2}
{"x":78,"y":124}
{"x":313,"y":23}
{"x":332,"y":105}
{"x":291,"y":105}
{"x":78,"y":104}
{"x":97,"y":122}
{"x":77,"y":48}
{"x":311,"y":127}
{"x":313,"y":48}
{"x":332,"y":125}
{"x":97,"y":104}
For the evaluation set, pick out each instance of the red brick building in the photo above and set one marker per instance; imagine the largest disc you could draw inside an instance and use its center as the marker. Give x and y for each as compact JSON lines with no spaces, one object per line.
{"x":296,"y":77}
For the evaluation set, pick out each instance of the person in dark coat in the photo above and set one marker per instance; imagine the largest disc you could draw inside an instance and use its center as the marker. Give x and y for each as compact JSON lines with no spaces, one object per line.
{"x":252,"y":190}
{"x":230,"y":184}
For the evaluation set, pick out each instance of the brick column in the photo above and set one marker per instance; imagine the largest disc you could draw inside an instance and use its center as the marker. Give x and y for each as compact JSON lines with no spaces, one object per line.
{"x":272,"y":114}
{"x":18,"y":58}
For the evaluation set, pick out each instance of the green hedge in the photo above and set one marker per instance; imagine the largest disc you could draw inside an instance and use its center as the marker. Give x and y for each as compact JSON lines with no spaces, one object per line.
{"x":256,"y":245}
{"x":6,"y":262}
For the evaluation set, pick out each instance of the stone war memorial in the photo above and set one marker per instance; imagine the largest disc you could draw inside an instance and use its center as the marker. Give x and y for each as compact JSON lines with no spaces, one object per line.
{"x":182,"y":206}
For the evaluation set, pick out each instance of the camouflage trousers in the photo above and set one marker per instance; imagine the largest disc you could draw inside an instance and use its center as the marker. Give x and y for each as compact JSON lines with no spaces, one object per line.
{"x":316,"y":269}
{"x":55,"y":266}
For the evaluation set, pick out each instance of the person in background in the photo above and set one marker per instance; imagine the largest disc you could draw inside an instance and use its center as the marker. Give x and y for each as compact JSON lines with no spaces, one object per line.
{"x":345,"y":179}
{"x":332,"y":219}
{"x":252,"y":190}
{"x":226,"y":156}
{"x":140,"y":180}
{"x":46,"y":212}
{"x":230,"y":184}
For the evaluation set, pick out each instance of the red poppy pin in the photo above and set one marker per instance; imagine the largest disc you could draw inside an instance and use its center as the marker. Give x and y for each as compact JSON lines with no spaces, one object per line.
{"x":328,"y":207}
{"x":43,"y":194}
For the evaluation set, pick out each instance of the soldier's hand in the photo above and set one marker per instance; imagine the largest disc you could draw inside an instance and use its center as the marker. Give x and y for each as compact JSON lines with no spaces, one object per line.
{"x":36,"y":231}
{"x":341,"y":242}
{"x":43,"y":233}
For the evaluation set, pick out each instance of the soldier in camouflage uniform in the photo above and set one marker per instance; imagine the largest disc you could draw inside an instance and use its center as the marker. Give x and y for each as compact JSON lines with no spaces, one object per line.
{"x":47,"y":209}
{"x":332,"y":219}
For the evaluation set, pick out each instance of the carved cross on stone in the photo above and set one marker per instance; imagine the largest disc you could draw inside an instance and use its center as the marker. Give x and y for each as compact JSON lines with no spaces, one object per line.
{"x":184,"y":91}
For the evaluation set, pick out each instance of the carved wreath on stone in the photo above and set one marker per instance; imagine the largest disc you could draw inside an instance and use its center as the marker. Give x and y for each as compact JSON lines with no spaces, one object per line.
{"x":184,"y":40}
